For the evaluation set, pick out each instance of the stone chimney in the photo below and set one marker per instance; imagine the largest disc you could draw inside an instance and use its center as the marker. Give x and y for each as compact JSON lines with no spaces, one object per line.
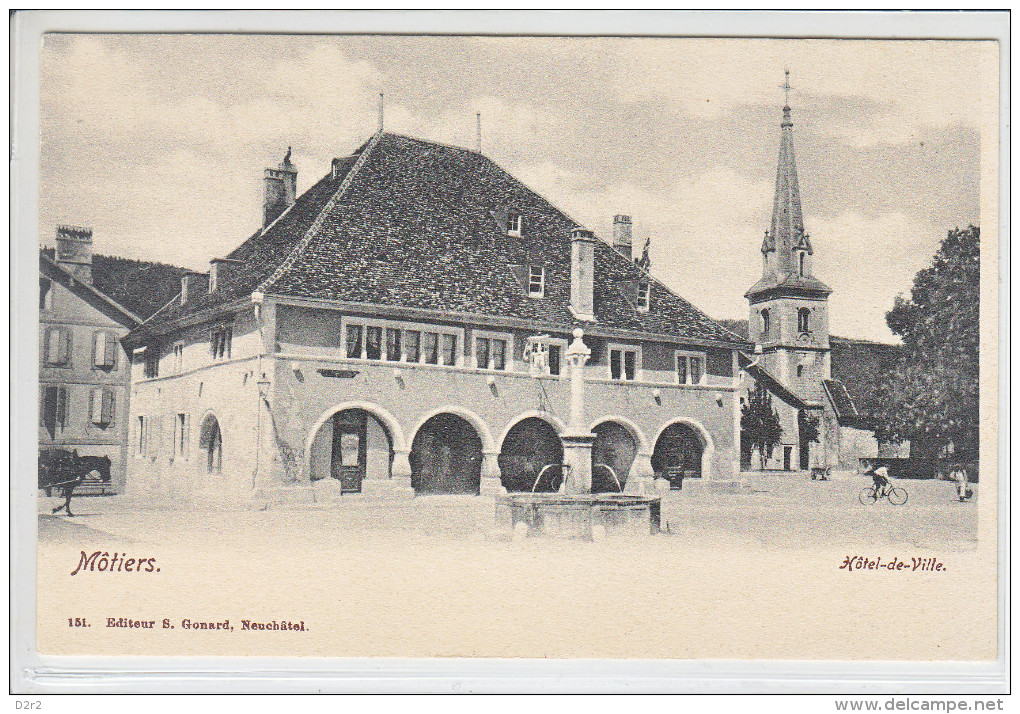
{"x":582,"y":274}
{"x":622,"y":239}
{"x":281,"y":190}
{"x":74,"y":251}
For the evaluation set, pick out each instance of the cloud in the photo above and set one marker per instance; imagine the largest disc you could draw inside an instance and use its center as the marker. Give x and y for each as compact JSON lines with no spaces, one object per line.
{"x":868,"y":261}
{"x":912,"y":86}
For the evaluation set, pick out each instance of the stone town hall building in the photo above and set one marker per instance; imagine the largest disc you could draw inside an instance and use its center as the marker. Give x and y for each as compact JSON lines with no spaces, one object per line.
{"x":400,"y":328}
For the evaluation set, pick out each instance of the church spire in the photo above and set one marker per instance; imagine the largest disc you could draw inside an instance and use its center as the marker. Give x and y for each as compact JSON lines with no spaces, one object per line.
{"x":787,"y":229}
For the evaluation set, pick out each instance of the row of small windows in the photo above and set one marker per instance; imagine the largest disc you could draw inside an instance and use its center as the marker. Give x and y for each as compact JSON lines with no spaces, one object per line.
{"x":221,"y":338}
{"x":57,"y":350}
{"x":397,"y":344}
{"x":53,"y":411}
{"x":803,"y":320}
{"x":690,"y":367}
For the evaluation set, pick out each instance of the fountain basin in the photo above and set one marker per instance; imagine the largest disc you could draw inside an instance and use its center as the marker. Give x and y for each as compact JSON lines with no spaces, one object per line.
{"x":588,"y":516}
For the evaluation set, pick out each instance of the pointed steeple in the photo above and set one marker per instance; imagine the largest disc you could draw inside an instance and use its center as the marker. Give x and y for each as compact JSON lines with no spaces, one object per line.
{"x":787,"y":229}
{"x":786,"y":242}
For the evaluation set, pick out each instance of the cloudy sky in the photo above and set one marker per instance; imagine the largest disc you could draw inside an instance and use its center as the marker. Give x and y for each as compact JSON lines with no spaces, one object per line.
{"x":158,"y":142}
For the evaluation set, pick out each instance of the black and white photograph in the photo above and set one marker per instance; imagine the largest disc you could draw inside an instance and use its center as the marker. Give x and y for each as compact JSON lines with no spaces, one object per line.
{"x":500,"y":345}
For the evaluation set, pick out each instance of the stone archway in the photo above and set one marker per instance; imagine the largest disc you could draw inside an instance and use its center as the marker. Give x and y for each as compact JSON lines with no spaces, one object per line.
{"x":616,"y":447}
{"x":679,"y":453}
{"x":210,"y":441}
{"x":530,"y":445}
{"x":352,"y":445}
{"x":446,"y":456}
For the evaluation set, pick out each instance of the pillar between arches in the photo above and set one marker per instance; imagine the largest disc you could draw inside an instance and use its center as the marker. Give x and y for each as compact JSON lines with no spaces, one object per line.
{"x":641,"y":479}
{"x":491,"y":484}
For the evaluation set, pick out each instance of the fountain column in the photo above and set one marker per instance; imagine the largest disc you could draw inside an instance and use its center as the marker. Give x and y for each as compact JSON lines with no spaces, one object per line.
{"x":577,"y":440}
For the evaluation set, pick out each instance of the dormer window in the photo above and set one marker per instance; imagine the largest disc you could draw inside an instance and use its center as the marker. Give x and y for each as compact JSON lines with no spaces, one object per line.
{"x":800,"y":257}
{"x":644,"y":296}
{"x":765,"y":321}
{"x":536,"y":281}
{"x":514,"y":224}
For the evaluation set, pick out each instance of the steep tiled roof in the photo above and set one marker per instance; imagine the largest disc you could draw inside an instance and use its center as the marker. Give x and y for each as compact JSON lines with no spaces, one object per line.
{"x":422,"y":225}
{"x":842,"y":404}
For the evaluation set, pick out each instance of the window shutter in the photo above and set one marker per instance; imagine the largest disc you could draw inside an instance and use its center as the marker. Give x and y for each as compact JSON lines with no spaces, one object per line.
{"x":112,"y":348}
{"x":52,"y":345}
{"x":61,"y":406}
{"x":96,"y":406}
{"x":522,"y":274}
{"x":98,"y":350}
{"x":65,"y":345}
{"x":107,"y":414}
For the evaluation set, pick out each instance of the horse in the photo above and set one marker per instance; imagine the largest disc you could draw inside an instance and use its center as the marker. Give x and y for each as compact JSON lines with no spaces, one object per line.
{"x":65,"y":471}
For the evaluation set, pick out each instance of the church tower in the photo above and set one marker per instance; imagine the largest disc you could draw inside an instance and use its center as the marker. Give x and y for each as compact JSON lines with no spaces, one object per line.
{"x":789,"y":314}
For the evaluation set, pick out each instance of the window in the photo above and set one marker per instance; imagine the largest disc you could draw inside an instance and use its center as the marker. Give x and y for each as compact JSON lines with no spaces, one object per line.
{"x":449,"y":349}
{"x":181,"y":435}
{"x":58,"y":347}
{"x":800,"y":370}
{"x":431,"y":348}
{"x":213,"y":270}
{"x":53,"y":414}
{"x":803,"y":319}
{"x":765,"y":321}
{"x":102,"y":406}
{"x":644,"y":296}
{"x":690,"y":368}
{"x":373,"y":342}
{"x":220,"y":339}
{"x":554,"y":359}
{"x":543,"y":354}
{"x":412,"y":345}
{"x":623,"y":364}
{"x":800,"y":258}
{"x":178,"y":364}
{"x":490,"y":352}
{"x":482,"y":353}
{"x":514,"y":224}
{"x":104,"y":350}
{"x":45,"y":294}
{"x":393,"y":353}
{"x":151,"y":357}
{"x":354,"y":341}
{"x":536,"y":281}
{"x":140,"y":444}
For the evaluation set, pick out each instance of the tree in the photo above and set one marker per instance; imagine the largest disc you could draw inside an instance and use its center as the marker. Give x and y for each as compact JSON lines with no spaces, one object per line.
{"x":931,"y":394}
{"x":759,"y":423}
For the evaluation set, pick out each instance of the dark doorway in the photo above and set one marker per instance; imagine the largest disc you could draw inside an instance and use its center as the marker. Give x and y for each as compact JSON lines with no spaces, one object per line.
{"x":677,"y":454}
{"x":446,"y":456}
{"x":211,"y":441}
{"x":349,"y":449}
{"x":530,"y":446}
{"x":615,"y":447}
{"x":787,"y":457}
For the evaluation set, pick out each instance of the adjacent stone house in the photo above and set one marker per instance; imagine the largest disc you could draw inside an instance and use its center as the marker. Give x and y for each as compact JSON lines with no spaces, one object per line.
{"x":83,"y":373}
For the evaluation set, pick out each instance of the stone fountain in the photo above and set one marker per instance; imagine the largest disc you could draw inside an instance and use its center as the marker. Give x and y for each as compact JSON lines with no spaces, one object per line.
{"x":574,"y":511}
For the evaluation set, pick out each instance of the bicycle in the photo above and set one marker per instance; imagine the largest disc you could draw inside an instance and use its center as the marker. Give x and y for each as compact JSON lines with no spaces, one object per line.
{"x":896,"y":495}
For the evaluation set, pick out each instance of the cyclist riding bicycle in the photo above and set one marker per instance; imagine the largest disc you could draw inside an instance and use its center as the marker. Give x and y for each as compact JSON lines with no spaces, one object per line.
{"x":880,"y":476}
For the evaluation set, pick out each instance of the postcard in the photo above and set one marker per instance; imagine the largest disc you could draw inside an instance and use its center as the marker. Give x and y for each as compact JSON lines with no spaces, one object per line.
{"x":497,"y":345}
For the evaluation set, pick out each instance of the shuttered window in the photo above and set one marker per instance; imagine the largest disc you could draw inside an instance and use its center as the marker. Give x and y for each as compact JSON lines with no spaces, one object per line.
{"x":104,"y":350}
{"x":58,"y":346}
{"x":53,"y":410}
{"x":102,"y":406}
